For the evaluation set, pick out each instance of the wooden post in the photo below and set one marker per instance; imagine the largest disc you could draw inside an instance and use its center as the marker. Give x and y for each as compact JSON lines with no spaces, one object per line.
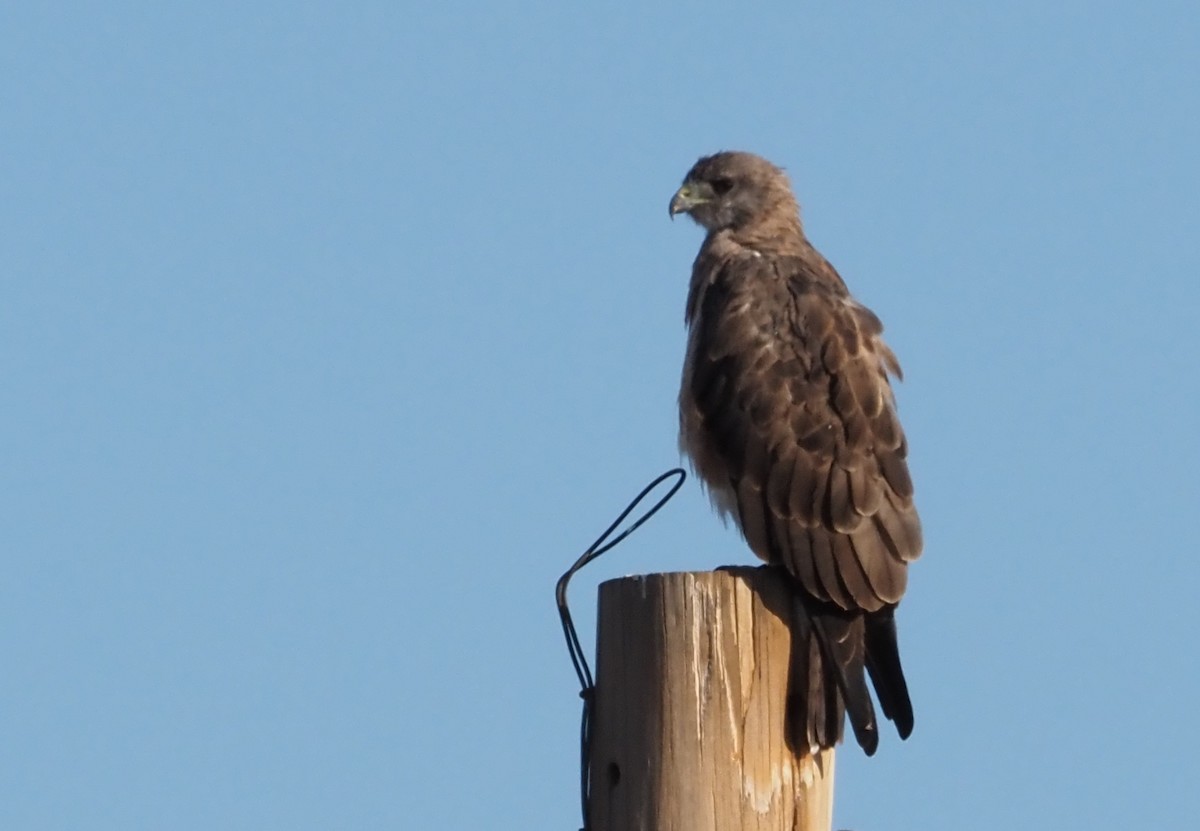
{"x":691,"y":678}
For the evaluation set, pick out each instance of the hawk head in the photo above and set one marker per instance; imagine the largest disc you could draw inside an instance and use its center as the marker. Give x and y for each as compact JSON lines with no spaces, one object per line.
{"x":731,"y":190}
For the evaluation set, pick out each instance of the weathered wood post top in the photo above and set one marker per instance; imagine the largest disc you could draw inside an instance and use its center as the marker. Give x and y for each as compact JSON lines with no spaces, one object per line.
{"x":689,"y":726}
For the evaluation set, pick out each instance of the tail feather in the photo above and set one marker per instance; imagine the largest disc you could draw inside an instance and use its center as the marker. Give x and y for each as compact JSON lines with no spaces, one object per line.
{"x":843,"y":638}
{"x":815,"y":710}
{"x":883,"y":663}
{"x":828,"y":672}
{"x":832,"y":653}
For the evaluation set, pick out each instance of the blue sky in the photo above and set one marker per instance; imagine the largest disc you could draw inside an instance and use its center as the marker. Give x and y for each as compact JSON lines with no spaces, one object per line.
{"x":331,"y":334}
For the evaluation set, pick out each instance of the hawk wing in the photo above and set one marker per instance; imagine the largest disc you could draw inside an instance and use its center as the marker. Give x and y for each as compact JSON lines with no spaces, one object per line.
{"x":788,"y":414}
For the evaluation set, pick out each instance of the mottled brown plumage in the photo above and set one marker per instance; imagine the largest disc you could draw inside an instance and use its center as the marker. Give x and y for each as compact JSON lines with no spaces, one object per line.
{"x":787,"y":414}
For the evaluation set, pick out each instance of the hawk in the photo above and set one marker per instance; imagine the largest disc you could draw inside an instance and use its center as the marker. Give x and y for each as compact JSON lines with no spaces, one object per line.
{"x":788,"y":417}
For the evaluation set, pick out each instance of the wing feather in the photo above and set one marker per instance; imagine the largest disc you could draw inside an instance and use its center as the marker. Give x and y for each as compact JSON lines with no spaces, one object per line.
{"x":827,"y":569}
{"x":780,"y":483}
{"x":864,"y":492}
{"x":853,"y":575}
{"x":895,"y":471}
{"x":800,"y":560}
{"x":752,"y":518}
{"x":803,"y":494}
{"x":840,"y":514}
{"x":789,"y":383}
{"x":884,"y":572}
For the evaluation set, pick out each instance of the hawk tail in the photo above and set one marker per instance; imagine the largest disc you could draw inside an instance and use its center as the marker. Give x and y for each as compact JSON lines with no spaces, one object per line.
{"x":828,"y":678}
{"x":883,"y":663}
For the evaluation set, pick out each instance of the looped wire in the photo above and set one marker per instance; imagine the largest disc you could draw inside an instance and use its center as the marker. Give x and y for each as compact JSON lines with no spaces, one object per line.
{"x":582,"y":670}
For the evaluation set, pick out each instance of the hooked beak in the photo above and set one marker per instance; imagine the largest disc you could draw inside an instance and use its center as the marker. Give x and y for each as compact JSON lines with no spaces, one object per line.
{"x":684,"y":200}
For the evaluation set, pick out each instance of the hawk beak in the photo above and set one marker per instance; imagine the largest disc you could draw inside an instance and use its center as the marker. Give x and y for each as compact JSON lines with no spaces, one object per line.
{"x":684,"y":200}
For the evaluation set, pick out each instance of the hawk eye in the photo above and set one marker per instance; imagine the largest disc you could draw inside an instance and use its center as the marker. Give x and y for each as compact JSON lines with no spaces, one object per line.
{"x":722,"y":185}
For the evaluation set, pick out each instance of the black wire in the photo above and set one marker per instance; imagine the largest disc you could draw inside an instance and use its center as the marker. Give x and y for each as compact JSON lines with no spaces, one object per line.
{"x":582,"y":670}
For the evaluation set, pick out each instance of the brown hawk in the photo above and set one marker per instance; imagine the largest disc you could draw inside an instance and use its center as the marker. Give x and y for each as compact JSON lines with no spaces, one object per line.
{"x":787,"y":415}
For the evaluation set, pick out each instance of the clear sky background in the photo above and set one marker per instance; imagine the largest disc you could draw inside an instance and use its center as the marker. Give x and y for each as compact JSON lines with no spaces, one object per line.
{"x":331,"y":333}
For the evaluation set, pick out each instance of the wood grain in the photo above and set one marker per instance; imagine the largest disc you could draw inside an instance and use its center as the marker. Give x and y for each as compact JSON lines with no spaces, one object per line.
{"x":689,"y":727}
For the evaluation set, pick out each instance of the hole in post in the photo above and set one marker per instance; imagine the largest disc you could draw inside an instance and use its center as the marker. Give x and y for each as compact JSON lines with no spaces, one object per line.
{"x":614,"y":774}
